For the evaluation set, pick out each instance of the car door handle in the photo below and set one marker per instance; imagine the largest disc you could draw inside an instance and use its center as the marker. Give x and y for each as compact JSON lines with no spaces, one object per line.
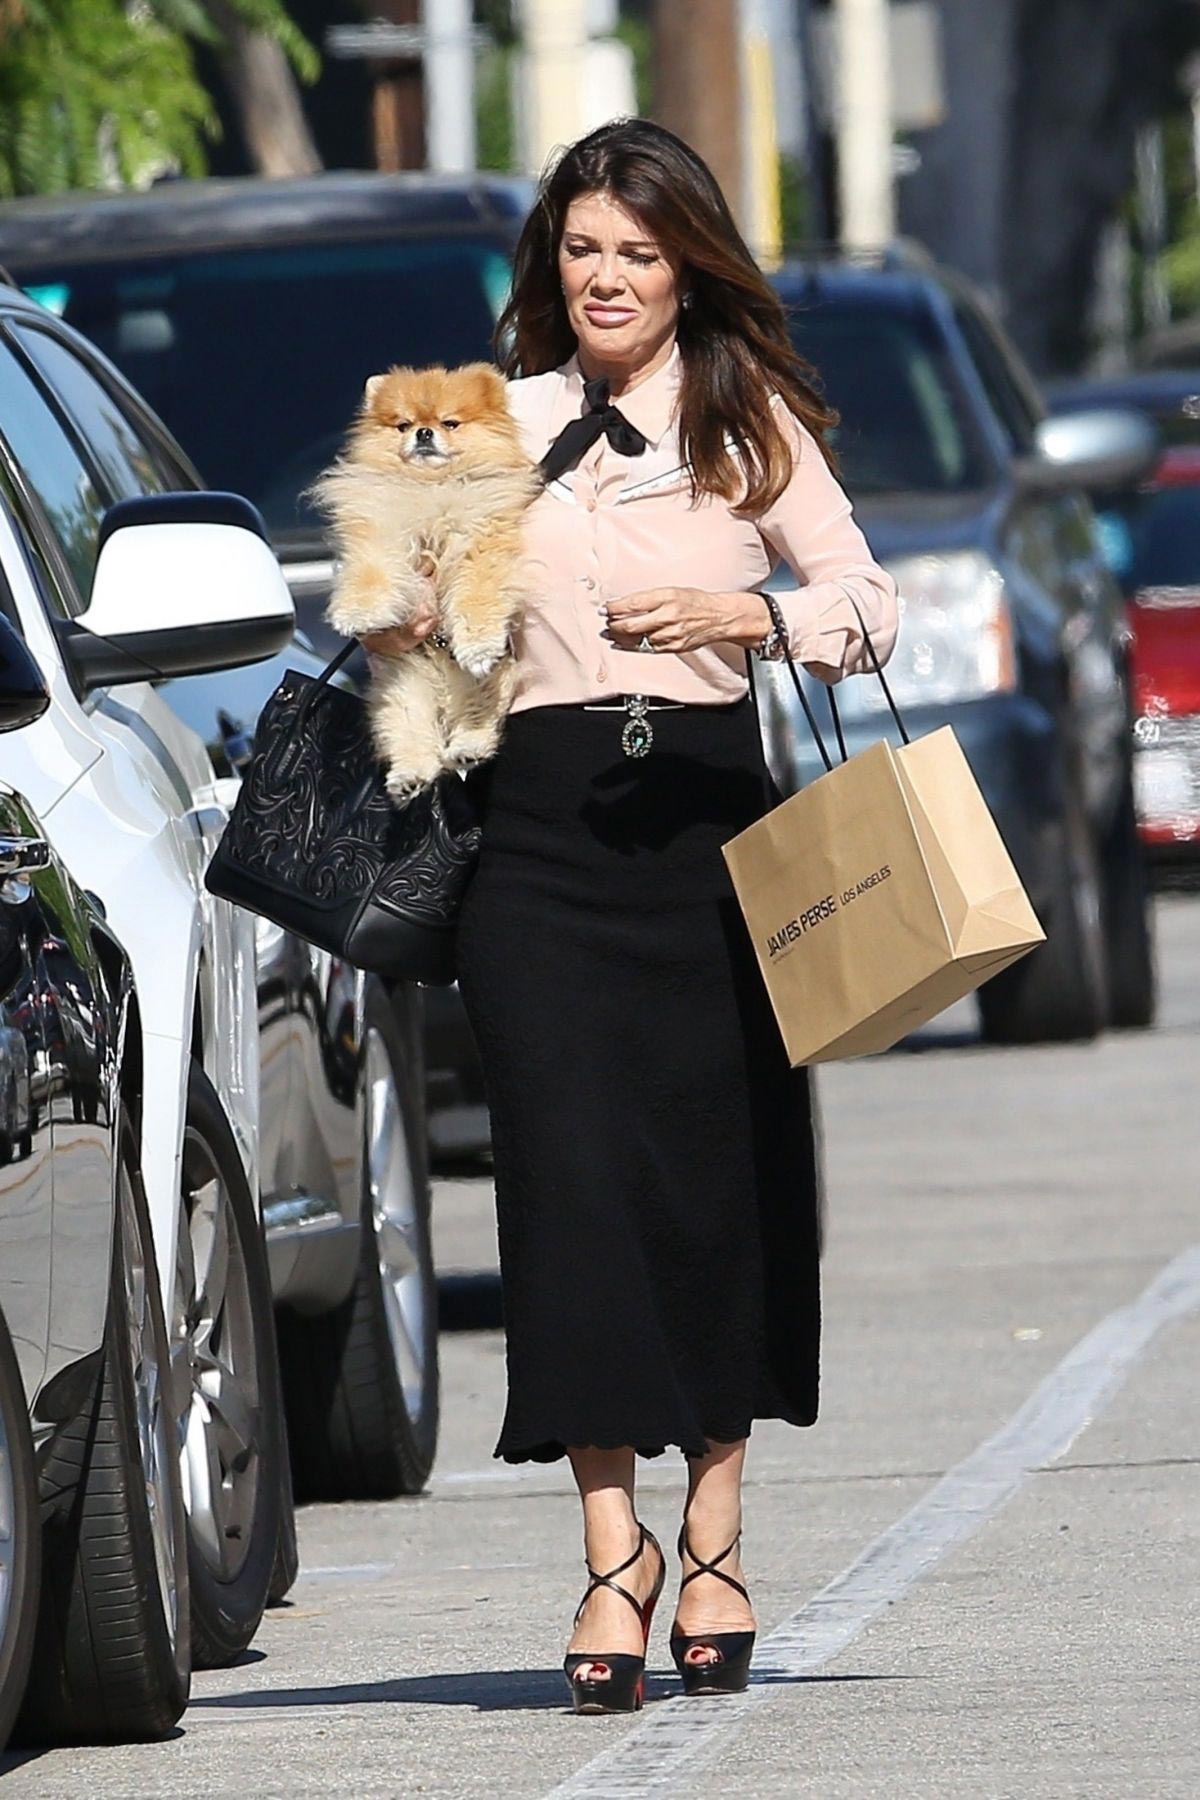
{"x":22,"y":855}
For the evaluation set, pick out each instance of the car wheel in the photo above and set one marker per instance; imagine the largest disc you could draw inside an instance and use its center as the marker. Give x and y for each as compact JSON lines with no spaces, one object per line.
{"x":361,"y":1381}
{"x":1128,"y":915}
{"x":223,"y":1345}
{"x":1059,"y":992}
{"x":286,"y":1566}
{"x":20,"y":1537}
{"x":112,"y":1656}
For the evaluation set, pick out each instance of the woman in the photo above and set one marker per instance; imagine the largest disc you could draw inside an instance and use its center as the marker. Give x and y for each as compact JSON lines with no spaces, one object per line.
{"x":654,"y":1165}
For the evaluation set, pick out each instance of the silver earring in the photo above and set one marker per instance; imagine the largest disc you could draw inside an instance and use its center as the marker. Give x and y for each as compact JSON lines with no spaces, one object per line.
{"x":686,"y":301}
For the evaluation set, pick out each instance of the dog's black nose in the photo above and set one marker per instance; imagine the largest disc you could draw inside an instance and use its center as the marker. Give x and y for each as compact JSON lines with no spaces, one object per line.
{"x":424,"y":434}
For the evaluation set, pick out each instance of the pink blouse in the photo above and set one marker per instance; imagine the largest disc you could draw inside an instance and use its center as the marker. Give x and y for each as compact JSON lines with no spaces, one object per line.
{"x":618,"y":525}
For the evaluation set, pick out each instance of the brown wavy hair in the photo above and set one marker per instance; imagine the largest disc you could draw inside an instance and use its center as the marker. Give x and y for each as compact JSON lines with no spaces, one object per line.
{"x":732,"y":334}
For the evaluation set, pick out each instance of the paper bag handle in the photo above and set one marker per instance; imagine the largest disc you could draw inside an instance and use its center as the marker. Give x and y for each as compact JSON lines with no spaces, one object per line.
{"x":777,"y":620}
{"x":801,"y":695}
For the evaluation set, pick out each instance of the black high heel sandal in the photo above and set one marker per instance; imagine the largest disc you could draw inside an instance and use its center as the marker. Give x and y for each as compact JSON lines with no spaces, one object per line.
{"x":728,"y":1672}
{"x":623,"y":1689}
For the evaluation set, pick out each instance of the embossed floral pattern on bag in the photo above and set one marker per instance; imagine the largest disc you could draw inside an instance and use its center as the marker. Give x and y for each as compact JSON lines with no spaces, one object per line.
{"x":314,"y":817}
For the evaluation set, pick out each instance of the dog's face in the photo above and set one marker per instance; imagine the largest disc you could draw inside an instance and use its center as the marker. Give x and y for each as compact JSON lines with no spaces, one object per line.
{"x":432,"y":421}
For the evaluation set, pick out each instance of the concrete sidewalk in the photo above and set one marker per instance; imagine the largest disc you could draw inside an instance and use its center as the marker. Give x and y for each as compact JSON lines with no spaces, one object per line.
{"x":988,"y":1210}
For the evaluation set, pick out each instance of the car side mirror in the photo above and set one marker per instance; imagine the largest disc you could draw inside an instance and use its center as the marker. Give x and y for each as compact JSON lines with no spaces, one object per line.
{"x":184,"y":584}
{"x":24,"y":695}
{"x":1100,"y":449}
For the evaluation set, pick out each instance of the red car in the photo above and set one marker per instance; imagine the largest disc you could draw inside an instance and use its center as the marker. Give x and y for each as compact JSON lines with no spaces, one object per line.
{"x":1164,"y":616}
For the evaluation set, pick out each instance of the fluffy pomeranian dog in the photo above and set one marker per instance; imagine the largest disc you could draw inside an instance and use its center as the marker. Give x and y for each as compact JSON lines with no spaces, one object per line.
{"x":431,"y":487}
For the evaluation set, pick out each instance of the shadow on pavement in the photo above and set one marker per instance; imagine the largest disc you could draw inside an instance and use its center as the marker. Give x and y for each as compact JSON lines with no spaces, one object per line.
{"x":18,"y":1755}
{"x":513,"y":1690}
{"x":491,"y":1691}
{"x":470,"y":1302}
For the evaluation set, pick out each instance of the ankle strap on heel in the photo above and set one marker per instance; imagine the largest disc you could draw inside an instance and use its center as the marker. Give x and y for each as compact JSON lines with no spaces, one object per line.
{"x":597,"y":1580}
{"x":710,"y":1568}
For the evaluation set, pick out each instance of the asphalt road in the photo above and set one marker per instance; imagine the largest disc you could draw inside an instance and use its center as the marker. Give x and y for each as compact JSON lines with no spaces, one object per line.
{"x":977,"y":1576}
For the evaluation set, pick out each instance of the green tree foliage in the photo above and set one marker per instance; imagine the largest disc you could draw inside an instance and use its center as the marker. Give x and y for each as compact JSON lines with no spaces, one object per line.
{"x":100,"y":93}
{"x":493,"y":85}
{"x":1181,"y":262}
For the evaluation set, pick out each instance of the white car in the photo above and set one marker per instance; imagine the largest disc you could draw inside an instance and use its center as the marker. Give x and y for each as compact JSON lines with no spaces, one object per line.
{"x":114,"y":578}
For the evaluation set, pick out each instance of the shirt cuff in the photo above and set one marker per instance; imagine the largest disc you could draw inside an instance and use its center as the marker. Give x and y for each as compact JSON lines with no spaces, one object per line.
{"x":822,"y":629}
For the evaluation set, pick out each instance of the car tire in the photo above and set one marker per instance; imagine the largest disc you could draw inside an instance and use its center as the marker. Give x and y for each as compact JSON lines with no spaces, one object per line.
{"x":20,"y":1538}
{"x":361,"y":1381}
{"x":1059,"y":992}
{"x":226,"y":1387}
{"x":1128,"y":914}
{"x":286,"y":1566}
{"x":112,"y":1657}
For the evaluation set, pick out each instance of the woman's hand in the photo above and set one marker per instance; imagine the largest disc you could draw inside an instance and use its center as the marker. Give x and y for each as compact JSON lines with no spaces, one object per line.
{"x":680,"y":619}
{"x":398,"y":640}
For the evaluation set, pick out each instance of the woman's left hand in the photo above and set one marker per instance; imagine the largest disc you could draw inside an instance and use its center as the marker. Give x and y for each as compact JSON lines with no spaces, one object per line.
{"x":680,"y":619}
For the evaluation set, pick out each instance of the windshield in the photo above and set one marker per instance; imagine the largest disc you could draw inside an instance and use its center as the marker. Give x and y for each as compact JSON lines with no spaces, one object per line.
{"x":256,"y":359}
{"x":905,"y":424}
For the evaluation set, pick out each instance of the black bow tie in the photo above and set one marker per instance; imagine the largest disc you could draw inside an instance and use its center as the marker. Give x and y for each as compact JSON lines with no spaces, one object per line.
{"x":577,"y":438}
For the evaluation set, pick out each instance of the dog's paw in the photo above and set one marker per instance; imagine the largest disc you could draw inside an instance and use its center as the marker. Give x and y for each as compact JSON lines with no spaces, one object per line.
{"x":478,"y":663}
{"x":479,"y":659}
{"x":405,"y":786}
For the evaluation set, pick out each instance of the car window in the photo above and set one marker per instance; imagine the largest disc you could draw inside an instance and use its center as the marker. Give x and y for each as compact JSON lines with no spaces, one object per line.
{"x":58,"y":593}
{"x":1165,"y":533}
{"x":906,"y":425}
{"x":1014,"y":409}
{"x":50,"y":467}
{"x":126,"y":466}
{"x":256,"y":359}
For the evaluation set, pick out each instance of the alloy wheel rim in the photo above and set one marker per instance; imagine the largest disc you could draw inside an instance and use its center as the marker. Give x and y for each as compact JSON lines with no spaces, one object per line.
{"x":213,"y":1342}
{"x":152,"y":1412}
{"x":396,"y":1221}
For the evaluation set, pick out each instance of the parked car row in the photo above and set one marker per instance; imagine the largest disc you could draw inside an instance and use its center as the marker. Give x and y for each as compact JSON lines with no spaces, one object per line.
{"x":189,"y":1255}
{"x":1014,"y":630}
{"x":1152,"y":540}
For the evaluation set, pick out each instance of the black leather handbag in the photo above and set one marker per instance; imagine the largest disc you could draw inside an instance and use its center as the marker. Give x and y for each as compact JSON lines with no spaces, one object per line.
{"x":316,"y":844}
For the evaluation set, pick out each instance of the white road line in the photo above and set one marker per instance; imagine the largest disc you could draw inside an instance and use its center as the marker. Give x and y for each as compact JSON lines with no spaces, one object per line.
{"x":657,"y":1755}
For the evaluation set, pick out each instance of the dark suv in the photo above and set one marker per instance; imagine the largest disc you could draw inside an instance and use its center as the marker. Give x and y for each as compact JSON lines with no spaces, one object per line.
{"x":250,"y":313}
{"x":1012,"y":628}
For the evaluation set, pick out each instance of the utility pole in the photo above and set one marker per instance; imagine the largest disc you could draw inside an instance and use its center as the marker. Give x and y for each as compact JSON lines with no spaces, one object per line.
{"x":697,"y":86}
{"x":550,"y":91}
{"x":449,"y":85}
{"x":397,"y":107}
{"x":761,"y":211}
{"x":866,"y":191}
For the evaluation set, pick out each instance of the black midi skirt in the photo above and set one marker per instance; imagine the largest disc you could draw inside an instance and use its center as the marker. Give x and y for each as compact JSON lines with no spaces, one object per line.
{"x":655,"y":1171}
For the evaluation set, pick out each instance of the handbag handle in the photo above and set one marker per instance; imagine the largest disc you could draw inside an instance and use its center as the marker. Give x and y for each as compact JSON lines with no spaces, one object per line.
{"x":313,"y":694}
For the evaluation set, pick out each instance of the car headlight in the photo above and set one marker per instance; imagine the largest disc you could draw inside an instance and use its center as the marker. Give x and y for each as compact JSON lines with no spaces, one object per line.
{"x":956,"y":636}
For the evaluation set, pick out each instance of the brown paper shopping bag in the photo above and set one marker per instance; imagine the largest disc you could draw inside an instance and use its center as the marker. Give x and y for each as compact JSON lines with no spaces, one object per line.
{"x":877,"y":896}
{"x":880,"y":893}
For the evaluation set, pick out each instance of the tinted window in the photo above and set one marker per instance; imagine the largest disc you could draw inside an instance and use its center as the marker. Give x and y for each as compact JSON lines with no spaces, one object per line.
{"x":56,"y":594}
{"x":1014,"y":409}
{"x":50,"y":466}
{"x":1165,"y":534}
{"x":257,"y":359}
{"x":905,"y":423}
{"x":124,"y":461}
